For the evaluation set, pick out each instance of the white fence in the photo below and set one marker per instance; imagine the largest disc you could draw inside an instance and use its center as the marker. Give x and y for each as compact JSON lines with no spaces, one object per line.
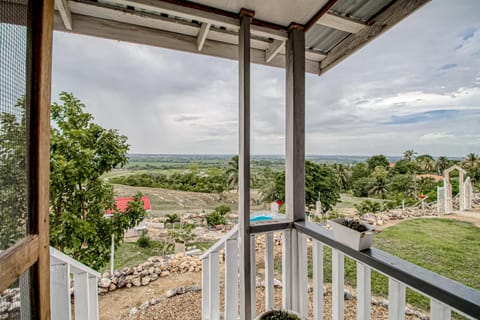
{"x":62,"y":268}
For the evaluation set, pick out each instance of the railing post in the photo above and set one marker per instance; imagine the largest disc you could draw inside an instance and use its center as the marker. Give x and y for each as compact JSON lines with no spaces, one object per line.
{"x":396,"y":300}
{"x":269,"y":271}
{"x":302,"y":275}
{"x":317,"y":257}
{"x":214,"y":287}
{"x":439,"y":311}
{"x":93,"y":296}
{"x":363,"y":291}
{"x":287,"y":270}
{"x":253,"y":277}
{"x":337,"y":284}
{"x":82,"y":303}
{"x":205,"y":287}
{"x":60,"y":290}
{"x":231,"y":279}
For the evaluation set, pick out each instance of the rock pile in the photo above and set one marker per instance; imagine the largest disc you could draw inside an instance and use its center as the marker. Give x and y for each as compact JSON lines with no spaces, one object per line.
{"x":150,"y":270}
{"x":10,"y":304}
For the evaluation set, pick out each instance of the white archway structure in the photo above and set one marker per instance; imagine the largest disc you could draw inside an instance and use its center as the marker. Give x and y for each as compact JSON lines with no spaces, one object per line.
{"x":444,"y":194}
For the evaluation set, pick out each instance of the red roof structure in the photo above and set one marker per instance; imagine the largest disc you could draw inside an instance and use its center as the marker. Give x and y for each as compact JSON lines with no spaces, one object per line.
{"x":122,"y":204}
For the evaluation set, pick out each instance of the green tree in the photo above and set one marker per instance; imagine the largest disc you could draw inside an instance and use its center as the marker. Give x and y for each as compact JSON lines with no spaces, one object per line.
{"x":343,"y":175}
{"x":409,"y":155}
{"x":379,"y":178}
{"x":13,"y":175}
{"x":319,"y":179}
{"x":426,"y":163}
{"x":377,"y":161}
{"x":81,"y":152}
{"x":359,"y":171}
{"x":442,"y":164}
{"x":232,"y":173}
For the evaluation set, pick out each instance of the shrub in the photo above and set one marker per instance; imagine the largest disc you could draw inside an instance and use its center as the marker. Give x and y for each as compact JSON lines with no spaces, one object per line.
{"x":223,"y":209}
{"x":215,"y":218}
{"x":144,"y":240}
{"x":368,"y":206}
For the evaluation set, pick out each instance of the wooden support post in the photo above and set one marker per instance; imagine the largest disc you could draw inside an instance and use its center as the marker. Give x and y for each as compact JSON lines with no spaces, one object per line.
{"x":364,"y":295}
{"x":396,"y":300}
{"x":317,"y":257}
{"x":269,"y":271}
{"x":338,"y":272}
{"x":244,"y":166}
{"x":295,"y":125}
{"x":295,"y":156}
{"x":231,"y":279}
{"x":38,"y":97}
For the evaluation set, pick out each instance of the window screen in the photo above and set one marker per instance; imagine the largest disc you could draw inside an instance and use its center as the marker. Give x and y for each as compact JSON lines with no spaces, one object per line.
{"x":13,"y":136}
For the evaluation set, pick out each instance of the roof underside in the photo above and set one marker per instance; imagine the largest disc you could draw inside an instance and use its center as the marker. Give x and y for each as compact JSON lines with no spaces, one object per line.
{"x":334,"y":28}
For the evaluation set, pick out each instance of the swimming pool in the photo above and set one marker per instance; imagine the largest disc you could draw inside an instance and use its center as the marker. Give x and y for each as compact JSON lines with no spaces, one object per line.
{"x":260,"y":218}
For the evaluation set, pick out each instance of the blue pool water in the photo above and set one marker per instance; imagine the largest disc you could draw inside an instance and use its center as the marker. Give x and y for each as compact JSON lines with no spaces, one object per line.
{"x":260,"y":218}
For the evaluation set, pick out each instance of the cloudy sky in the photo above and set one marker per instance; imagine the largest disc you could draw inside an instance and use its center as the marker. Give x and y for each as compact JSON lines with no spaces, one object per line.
{"x":415,"y":87}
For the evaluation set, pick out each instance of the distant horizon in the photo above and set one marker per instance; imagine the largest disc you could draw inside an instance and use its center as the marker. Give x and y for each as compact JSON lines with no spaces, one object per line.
{"x":282,"y":155}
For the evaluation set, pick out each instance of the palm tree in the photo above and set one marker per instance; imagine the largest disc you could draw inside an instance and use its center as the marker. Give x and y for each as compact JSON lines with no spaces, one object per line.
{"x":442,"y":164}
{"x":471,"y":159}
{"x":409,"y":154}
{"x":343,"y":175}
{"x":426,"y":163}
{"x":232,"y":173}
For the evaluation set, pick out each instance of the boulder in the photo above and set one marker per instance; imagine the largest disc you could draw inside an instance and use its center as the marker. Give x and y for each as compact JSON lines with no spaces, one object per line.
{"x":145,"y":280}
{"x":104,"y":283}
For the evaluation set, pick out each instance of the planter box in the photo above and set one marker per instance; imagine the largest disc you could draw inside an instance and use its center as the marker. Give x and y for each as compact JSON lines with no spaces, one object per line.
{"x":352,"y":238}
{"x":270,"y":312}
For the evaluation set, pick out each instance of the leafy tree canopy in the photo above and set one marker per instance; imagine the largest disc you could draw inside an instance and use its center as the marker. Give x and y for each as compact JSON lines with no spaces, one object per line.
{"x":319,"y":179}
{"x":377,"y":161}
{"x":81,"y":151}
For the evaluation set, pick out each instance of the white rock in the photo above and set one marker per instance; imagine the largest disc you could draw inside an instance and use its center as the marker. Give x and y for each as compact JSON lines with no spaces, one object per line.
{"x":105,"y":283}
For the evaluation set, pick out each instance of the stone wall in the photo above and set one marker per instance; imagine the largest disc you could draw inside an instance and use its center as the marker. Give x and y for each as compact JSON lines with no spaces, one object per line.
{"x":150,"y":270}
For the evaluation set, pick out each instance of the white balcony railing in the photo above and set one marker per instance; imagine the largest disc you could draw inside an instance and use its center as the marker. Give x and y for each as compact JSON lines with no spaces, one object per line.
{"x":445,"y":295}
{"x":85,"y":291}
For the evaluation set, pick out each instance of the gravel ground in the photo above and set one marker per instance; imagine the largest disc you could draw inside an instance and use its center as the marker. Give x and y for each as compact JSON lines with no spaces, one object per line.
{"x":188,"y":306}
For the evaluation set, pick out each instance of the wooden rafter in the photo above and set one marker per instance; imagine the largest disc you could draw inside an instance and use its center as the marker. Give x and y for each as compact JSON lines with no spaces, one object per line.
{"x":65,"y":13}
{"x":274,"y":49}
{"x":340,"y":23}
{"x":116,"y":30}
{"x":202,"y":35}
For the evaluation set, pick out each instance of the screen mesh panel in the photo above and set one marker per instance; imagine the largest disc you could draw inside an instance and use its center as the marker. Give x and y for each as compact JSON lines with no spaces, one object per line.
{"x":15,"y":301}
{"x":13,"y":135}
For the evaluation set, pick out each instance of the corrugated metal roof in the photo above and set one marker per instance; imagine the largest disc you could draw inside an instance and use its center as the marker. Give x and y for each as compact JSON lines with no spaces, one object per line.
{"x":322,"y":38}
{"x":361,"y":10}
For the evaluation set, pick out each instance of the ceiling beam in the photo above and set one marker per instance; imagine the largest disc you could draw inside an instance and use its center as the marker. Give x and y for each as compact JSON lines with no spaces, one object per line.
{"x":201,"y":16}
{"x":340,"y":23}
{"x":202,"y":35}
{"x":143,"y":19}
{"x":116,"y":30}
{"x":387,"y":18}
{"x":274,"y":49}
{"x":64,"y":9}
